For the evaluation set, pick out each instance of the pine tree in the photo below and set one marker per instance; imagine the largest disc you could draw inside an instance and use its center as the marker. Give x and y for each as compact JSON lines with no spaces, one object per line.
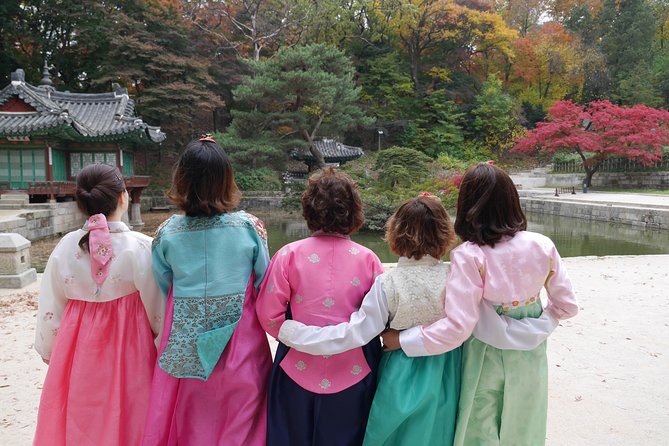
{"x":300,"y":94}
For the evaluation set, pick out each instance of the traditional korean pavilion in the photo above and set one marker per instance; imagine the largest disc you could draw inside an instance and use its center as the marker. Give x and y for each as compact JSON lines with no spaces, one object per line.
{"x":333,"y":152}
{"x":47,"y":136}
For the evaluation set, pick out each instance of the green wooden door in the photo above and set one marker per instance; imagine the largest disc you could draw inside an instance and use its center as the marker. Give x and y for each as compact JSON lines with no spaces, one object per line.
{"x":20,"y":167}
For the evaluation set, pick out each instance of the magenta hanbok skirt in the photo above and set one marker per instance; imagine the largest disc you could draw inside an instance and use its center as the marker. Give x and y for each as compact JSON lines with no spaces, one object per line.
{"x":96,"y":390}
{"x":229,"y":408}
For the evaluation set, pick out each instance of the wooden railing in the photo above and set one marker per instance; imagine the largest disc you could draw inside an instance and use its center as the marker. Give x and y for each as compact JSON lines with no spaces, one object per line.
{"x":137,"y":181}
{"x":612,"y":165}
{"x":52,"y":188}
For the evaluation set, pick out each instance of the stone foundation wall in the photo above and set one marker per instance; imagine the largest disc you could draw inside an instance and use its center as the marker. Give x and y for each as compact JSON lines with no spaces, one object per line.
{"x":644,"y":217}
{"x":45,"y":220}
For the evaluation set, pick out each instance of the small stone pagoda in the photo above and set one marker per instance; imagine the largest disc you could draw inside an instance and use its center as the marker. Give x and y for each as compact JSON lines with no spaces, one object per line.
{"x":48,"y":136}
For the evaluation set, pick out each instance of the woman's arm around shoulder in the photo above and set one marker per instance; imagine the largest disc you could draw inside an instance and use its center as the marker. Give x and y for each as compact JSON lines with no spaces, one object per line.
{"x":464,"y":291}
{"x":562,"y":302}
{"x":363,"y":326}
{"x":145,"y":282}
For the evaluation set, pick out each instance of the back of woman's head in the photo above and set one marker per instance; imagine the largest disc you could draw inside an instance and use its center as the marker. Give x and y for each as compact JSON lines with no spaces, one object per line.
{"x":420,"y":226}
{"x":203,"y":182}
{"x":331,"y":203}
{"x":98,"y":189}
{"x":488,"y":206}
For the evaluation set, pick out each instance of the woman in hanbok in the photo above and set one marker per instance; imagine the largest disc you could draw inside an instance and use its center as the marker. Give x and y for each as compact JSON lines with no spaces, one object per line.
{"x":99,"y":312}
{"x":210,"y":382}
{"x":499,"y":270}
{"x":321,"y":400}
{"x":416,"y":398}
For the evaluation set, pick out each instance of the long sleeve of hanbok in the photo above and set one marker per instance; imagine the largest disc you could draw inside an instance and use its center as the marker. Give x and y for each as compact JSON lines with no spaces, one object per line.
{"x":274,"y":296}
{"x":561,"y":299}
{"x":507,"y":333}
{"x":149,"y":292}
{"x":363,"y":326}
{"x":51,"y":304}
{"x":162,"y":271}
{"x":260,"y":262}
{"x":464,"y":291}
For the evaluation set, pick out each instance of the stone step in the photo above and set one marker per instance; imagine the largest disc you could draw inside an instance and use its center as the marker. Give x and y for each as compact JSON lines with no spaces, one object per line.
{"x":11,"y":206}
{"x":13,"y":198}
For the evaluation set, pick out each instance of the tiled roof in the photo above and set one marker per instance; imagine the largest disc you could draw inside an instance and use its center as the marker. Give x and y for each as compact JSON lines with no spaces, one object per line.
{"x":333,"y":151}
{"x":78,"y":116}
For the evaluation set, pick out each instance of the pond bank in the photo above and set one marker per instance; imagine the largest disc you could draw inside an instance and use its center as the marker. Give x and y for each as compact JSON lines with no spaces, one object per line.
{"x":641,"y":210}
{"x":607,"y":366}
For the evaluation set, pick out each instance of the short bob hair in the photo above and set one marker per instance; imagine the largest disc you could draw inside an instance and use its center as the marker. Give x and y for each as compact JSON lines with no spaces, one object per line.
{"x":488,"y":206}
{"x":203,"y":182}
{"x":420,"y":226}
{"x":331,"y":203}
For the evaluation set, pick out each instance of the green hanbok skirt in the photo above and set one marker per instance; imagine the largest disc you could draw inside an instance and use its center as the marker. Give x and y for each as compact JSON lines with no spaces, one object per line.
{"x":504,"y":394}
{"x":416,"y":400}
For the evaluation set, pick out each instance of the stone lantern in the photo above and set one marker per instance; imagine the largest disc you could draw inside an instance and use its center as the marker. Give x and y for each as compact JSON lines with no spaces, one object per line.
{"x":15,"y":270}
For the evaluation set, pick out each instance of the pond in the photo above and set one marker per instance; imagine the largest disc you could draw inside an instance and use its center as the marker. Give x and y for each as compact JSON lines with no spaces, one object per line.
{"x":573,"y":237}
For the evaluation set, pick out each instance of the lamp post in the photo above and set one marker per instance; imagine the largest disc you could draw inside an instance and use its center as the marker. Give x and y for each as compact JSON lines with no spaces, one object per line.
{"x":380,"y":133}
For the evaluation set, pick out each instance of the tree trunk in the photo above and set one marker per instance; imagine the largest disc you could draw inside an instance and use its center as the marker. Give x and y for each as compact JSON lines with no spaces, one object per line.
{"x":588,"y":177}
{"x":590,"y":165}
{"x":320,"y":160}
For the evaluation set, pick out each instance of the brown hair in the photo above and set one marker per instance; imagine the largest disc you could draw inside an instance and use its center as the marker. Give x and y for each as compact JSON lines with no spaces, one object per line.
{"x":203,"y":182}
{"x":420,"y":226}
{"x":331,"y":203}
{"x":98,"y":189}
{"x":488,"y":206}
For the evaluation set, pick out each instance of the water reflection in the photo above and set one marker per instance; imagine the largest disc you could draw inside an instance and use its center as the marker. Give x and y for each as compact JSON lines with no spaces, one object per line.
{"x":573,"y":237}
{"x":282,"y":233}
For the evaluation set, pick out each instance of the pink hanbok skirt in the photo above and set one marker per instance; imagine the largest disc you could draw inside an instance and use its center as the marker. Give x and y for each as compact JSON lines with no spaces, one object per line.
{"x":230,"y":407}
{"x":96,"y":390}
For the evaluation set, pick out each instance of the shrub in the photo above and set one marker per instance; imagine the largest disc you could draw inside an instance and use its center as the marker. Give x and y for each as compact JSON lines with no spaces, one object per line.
{"x":262,"y":178}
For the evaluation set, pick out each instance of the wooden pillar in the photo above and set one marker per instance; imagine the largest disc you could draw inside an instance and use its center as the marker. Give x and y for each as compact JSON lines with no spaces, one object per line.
{"x":49,"y":163}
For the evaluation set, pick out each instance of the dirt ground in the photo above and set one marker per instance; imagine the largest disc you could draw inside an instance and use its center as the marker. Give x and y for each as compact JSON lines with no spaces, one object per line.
{"x":608,"y":366}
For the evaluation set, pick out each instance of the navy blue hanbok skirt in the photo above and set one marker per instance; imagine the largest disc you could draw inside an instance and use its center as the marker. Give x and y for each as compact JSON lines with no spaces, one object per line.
{"x":298,"y":417}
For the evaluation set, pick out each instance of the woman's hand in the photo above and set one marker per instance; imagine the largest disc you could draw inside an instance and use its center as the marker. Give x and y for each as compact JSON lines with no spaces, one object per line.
{"x":391,"y":340}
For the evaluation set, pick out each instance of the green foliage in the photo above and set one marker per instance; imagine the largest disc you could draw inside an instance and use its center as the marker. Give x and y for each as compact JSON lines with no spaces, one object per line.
{"x":293,"y":199}
{"x":438,"y":128}
{"x":152,"y":53}
{"x":637,"y":88}
{"x":400,"y":165}
{"x":249,"y":153}
{"x":387,"y":87}
{"x":494,"y":123}
{"x":301,"y":93}
{"x":393,"y":175}
{"x":262,"y":178}
{"x":626,"y":30}
{"x":450,"y":163}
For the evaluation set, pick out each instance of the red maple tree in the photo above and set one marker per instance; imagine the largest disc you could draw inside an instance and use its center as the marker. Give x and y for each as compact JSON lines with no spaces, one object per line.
{"x":600,"y":130}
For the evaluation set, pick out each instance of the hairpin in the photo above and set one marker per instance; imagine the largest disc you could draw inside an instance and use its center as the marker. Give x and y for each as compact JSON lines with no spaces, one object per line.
{"x":207,"y":137}
{"x":425,"y":194}
{"x":489,"y":162}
